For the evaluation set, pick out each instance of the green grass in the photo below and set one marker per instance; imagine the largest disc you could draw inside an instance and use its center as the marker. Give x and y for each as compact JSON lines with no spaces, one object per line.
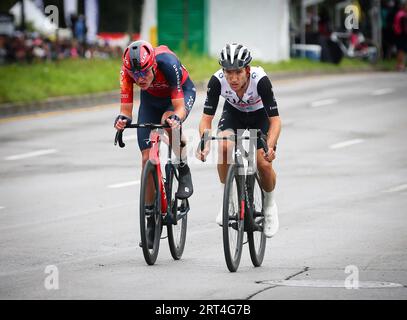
{"x":35,"y":82}
{"x":40,"y":81}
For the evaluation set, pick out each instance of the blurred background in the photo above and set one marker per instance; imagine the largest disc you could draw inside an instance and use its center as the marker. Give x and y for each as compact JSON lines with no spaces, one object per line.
{"x":82,"y":40}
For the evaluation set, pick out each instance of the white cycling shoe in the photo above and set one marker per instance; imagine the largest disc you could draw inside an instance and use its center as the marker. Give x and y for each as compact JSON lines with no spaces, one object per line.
{"x":219,"y":217}
{"x":271,"y":223}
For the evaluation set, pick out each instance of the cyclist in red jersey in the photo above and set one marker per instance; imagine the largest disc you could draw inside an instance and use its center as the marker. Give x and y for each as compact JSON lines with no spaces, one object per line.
{"x":167,"y":95}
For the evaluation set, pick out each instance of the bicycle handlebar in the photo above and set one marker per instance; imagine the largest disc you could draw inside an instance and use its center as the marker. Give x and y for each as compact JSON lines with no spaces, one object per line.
{"x":119,"y":134}
{"x":263,"y":138}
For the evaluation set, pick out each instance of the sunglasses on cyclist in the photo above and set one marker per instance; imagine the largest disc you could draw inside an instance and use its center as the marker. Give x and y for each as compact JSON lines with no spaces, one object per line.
{"x":139,"y":74}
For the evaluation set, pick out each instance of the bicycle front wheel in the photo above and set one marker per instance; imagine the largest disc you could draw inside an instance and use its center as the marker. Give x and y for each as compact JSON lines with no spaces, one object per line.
{"x":176,"y":232}
{"x":150,"y":213}
{"x":256,"y":239}
{"x":233,"y":222}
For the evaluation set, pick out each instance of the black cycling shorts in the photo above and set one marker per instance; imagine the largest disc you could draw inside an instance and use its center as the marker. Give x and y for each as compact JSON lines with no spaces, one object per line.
{"x":234,"y":119}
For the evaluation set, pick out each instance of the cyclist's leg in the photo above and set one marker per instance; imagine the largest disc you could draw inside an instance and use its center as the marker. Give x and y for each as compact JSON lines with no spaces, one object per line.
{"x":147,"y":114}
{"x":228,"y":125}
{"x":267,"y":175}
{"x":189,"y":100}
{"x":185,"y":186}
{"x":259,"y":120}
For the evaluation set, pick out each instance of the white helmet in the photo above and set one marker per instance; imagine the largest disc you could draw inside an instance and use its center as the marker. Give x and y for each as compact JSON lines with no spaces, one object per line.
{"x":234,"y":56}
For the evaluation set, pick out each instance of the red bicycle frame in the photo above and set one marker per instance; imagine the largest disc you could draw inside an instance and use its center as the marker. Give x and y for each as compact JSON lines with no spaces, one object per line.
{"x":155,"y":159}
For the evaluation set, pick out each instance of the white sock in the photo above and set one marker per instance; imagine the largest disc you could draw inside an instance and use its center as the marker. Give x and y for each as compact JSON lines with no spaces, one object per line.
{"x":268,"y":198}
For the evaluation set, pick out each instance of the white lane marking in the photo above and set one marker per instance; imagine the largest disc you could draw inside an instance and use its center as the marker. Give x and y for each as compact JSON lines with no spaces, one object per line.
{"x":382,"y":92}
{"x":31,"y":154}
{"x":124,"y":184}
{"x":322,"y":103}
{"x":346,"y":143}
{"x":397,"y":188}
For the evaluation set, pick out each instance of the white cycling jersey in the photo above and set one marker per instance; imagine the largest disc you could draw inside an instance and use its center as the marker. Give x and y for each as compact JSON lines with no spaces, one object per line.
{"x":251,"y":100}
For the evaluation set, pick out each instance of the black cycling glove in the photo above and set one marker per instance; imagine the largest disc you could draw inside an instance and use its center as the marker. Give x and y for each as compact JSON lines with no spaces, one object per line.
{"x":175,"y":117}
{"x":122,"y":117}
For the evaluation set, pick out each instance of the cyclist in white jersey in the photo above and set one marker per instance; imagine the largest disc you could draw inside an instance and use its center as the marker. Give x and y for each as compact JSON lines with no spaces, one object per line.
{"x":249,"y":104}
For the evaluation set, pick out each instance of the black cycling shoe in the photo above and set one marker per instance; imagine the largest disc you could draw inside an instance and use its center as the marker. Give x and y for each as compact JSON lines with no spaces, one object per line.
{"x":185,"y":187}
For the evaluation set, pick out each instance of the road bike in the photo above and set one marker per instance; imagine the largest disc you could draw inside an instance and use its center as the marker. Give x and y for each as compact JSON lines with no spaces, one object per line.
{"x":243,"y":201}
{"x":158,"y":204}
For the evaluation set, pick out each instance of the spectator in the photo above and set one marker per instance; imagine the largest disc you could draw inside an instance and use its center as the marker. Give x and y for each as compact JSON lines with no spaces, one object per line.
{"x":388,"y":12}
{"x":80,"y":29}
{"x":74,"y":19}
{"x":3,"y":49}
{"x":39,"y":50}
{"x":74,"y":50}
{"x":31,"y":47}
{"x":400,"y":31}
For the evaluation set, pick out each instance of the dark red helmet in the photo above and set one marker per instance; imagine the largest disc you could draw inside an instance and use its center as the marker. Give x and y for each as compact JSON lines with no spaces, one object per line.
{"x":139,"y":56}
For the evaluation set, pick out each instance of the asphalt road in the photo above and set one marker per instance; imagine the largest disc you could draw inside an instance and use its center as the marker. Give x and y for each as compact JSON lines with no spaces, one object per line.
{"x":69,"y":199}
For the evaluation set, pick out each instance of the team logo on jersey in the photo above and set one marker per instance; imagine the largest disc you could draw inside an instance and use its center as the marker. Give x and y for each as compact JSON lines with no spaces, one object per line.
{"x":160,"y":85}
{"x":254,"y":75}
{"x":221,"y":75}
{"x":178,"y":77}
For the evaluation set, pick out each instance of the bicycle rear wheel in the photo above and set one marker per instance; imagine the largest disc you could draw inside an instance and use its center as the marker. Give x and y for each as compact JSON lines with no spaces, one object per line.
{"x":233,"y":224}
{"x":152,"y":198}
{"x":256,"y":239}
{"x":176,"y":232}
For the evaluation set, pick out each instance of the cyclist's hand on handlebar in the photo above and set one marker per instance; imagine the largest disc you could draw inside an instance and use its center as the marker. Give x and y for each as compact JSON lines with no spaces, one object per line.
{"x":270,"y":155}
{"x":201,"y":155}
{"x":121,"y":122}
{"x":174,"y":121}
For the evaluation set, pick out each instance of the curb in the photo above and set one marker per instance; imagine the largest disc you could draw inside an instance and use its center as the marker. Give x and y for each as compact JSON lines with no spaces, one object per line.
{"x":111,"y":97}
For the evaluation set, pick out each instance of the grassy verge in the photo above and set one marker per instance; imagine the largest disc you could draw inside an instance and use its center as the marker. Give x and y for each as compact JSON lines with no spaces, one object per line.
{"x":23,"y":83}
{"x":35,"y":82}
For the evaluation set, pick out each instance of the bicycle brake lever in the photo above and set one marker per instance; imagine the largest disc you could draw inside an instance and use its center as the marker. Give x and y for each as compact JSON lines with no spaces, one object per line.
{"x":119,"y":139}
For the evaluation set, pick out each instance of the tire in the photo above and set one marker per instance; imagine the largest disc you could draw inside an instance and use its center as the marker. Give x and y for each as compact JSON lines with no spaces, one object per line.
{"x":256,"y":239}
{"x":176,"y":232}
{"x":149,"y":172}
{"x":233,"y":226}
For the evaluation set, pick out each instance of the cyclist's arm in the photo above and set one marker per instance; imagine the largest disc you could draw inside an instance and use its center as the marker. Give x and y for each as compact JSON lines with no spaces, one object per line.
{"x":126,"y":91}
{"x":265,"y":91}
{"x":274,"y":131}
{"x":210,"y":106}
{"x":205,"y":124}
{"x":179,"y":108}
{"x":173,"y":72}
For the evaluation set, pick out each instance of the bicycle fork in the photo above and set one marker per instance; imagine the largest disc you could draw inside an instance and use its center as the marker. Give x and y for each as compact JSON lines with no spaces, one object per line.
{"x":242,"y":191}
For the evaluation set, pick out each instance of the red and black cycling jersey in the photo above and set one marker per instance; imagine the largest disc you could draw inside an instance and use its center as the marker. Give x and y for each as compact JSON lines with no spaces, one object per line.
{"x":169,"y":76}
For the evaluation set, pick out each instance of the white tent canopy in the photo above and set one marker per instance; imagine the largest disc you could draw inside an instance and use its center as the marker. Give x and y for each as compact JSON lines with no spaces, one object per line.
{"x":35,"y":16}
